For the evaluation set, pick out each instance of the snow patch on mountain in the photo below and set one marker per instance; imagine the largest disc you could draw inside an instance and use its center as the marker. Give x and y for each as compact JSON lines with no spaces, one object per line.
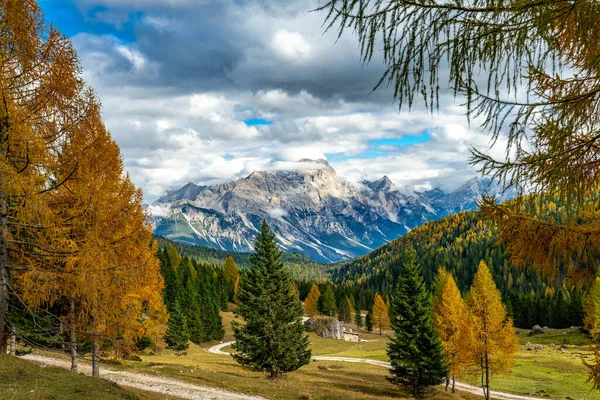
{"x":308,"y":207}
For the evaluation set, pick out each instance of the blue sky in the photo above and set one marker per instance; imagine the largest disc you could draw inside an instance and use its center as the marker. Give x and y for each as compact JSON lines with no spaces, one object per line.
{"x":210,"y":91}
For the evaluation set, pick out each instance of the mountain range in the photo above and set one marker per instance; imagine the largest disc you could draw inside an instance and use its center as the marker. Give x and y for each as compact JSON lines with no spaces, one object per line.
{"x":310,"y":209}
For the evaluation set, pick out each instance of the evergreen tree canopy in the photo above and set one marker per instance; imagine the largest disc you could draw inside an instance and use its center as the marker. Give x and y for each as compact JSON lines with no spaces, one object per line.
{"x":369,"y":321}
{"x":328,"y":303}
{"x":177,"y":336}
{"x":272,"y":339}
{"x":416,"y":352}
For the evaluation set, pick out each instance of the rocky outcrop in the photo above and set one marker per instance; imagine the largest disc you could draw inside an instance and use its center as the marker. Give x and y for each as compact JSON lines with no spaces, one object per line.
{"x":326,"y":327}
{"x":536,"y":330}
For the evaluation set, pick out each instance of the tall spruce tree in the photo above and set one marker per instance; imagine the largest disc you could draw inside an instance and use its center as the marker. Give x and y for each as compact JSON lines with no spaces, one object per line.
{"x":327,"y":302}
{"x":273,"y":338}
{"x":177,"y":336}
{"x":416,"y":352}
{"x":369,"y":321}
{"x":358,"y":319}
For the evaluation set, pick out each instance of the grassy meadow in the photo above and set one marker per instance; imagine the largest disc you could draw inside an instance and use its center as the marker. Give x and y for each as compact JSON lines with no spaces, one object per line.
{"x":548,"y":373}
{"x":23,"y":380}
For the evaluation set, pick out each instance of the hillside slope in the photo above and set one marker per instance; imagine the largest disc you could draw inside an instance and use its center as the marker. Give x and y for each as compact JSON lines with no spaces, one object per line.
{"x":458,"y":243}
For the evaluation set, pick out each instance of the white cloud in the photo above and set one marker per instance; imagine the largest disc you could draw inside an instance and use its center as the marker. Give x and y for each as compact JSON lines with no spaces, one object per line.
{"x":291,"y":46}
{"x":175,"y":99}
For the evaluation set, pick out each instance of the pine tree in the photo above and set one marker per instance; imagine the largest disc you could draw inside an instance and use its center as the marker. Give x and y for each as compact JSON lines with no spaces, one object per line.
{"x":328,"y":303}
{"x":345,"y":310}
{"x":495,"y":343}
{"x":369,"y":321}
{"x":312,"y":300}
{"x":273,"y":337}
{"x":177,"y":336}
{"x":416,"y":352}
{"x":358,"y":319}
{"x":380,"y":315}
{"x":451,"y":321}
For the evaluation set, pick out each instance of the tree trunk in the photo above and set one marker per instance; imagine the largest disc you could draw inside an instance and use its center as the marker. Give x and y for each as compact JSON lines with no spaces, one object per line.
{"x":96,"y":359}
{"x":447,"y":380}
{"x":73,"y":339}
{"x":13,"y":344}
{"x":453,"y":383}
{"x":4,"y":290}
{"x":487,"y":376}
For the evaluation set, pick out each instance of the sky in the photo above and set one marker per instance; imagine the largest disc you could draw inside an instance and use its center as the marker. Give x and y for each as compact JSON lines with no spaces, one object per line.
{"x":207,"y":91}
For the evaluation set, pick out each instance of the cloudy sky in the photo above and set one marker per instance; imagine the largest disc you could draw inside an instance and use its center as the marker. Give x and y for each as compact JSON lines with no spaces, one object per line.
{"x":205,"y":91}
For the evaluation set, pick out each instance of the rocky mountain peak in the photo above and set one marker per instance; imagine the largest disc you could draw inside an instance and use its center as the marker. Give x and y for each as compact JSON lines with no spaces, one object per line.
{"x":381,"y":185}
{"x":308,"y":207}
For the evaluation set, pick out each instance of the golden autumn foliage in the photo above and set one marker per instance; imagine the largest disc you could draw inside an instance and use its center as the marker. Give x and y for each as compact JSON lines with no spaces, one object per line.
{"x":495,"y":343}
{"x":39,"y":81}
{"x":381,"y":319}
{"x":312,"y":300}
{"x":72,"y":226}
{"x":451,"y":320}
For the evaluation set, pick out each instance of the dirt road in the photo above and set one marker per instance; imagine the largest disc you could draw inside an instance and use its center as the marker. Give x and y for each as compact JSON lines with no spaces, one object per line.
{"x":150,"y":383}
{"x":465,"y":387}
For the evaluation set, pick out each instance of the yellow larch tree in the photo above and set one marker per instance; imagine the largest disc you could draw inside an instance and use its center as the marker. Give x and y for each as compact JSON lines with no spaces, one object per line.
{"x":452,"y":322}
{"x":495,"y":342}
{"x":591,"y":321}
{"x":39,"y":80}
{"x":381,"y":319}
{"x":312,"y":300}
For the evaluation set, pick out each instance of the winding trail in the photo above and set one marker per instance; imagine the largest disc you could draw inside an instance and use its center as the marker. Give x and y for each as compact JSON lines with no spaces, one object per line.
{"x":149,"y":383}
{"x":465,"y":387}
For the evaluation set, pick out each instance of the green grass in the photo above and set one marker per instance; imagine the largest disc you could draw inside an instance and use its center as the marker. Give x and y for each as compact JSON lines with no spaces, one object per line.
{"x":549,"y":373}
{"x":318,"y":380}
{"x":23,"y":380}
{"x":570,"y":336}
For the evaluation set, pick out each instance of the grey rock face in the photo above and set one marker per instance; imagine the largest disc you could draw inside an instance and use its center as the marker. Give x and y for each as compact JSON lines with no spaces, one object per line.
{"x":536,"y":330}
{"x":310,"y":209}
{"x":327,"y":327}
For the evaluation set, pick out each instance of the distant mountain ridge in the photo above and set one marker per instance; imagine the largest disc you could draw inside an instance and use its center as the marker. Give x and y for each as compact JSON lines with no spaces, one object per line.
{"x":309,"y":208}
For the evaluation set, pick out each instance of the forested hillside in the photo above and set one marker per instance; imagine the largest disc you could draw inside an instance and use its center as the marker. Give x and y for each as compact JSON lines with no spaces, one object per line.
{"x":458,"y":243}
{"x":301,"y":266}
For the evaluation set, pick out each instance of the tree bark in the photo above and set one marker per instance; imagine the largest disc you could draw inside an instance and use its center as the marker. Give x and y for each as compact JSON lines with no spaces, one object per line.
{"x":73,"y":339}
{"x":13,"y":344}
{"x":447,"y":380}
{"x":453,"y":383}
{"x":4,"y":277}
{"x":96,"y":359}
{"x":487,"y":376}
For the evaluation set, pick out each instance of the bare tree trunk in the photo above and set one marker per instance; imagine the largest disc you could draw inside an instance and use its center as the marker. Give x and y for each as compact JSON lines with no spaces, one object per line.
{"x":73,"y":339}
{"x":96,"y":359}
{"x":13,"y":344}
{"x":447,"y":380}
{"x":487,"y":376}
{"x":4,"y":292}
{"x":453,"y":383}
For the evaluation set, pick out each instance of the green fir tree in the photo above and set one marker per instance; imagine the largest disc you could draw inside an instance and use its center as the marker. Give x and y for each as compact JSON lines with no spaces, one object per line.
{"x":177,"y":336}
{"x":358,"y":319}
{"x":369,"y":321}
{"x":272,"y":339}
{"x":328,"y":303}
{"x":416,"y":352}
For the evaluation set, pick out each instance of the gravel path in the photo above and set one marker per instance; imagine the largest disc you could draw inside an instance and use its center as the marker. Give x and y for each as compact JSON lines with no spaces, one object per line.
{"x":459,"y":385}
{"x":150,"y":383}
